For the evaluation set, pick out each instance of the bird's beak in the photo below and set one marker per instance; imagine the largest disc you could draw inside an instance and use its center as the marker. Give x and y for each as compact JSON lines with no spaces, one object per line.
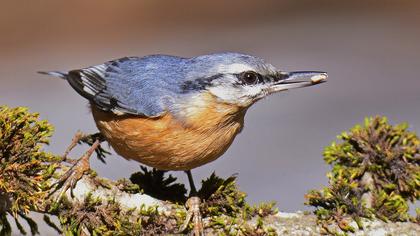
{"x":297,"y":79}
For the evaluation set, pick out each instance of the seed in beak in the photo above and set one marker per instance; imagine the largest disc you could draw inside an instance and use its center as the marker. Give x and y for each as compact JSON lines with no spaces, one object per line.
{"x":319,"y":78}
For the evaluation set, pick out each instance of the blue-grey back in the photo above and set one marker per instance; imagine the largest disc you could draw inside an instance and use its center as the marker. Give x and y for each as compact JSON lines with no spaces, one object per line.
{"x":147,"y":84}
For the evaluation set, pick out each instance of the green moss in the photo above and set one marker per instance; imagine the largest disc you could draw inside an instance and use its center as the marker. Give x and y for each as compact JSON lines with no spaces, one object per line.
{"x":221,"y":197}
{"x":127,"y":186}
{"x":222,"y":202}
{"x":105,"y":217}
{"x":25,"y":170}
{"x":225,"y":205}
{"x":375,"y":173}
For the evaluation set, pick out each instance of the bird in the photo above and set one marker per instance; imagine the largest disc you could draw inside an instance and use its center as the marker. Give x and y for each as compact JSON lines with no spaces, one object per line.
{"x":178,"y":113}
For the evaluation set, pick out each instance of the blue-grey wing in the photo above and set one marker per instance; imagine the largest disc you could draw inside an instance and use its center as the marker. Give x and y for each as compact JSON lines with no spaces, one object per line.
{"x":128,"y":85}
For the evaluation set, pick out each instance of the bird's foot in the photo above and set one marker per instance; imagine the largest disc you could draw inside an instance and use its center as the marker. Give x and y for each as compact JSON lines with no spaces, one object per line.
{"x":194,"y":214}
{"x":89,"y":139}
{"x":76,"y":139}
{"x":79,"y":168}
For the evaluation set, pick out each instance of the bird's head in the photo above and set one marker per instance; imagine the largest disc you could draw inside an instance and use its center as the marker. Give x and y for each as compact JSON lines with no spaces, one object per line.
{"x":242,"y":80}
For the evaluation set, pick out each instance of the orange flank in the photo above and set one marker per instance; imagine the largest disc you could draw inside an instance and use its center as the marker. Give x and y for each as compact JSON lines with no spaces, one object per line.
{"x":200,"y":134}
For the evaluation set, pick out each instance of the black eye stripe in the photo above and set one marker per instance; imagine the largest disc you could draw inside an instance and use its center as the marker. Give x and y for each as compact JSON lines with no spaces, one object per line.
{"x":198,"y":84}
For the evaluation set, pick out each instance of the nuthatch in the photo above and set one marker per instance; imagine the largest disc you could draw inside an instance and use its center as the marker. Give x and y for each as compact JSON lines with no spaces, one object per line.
{"x":176,"y":113}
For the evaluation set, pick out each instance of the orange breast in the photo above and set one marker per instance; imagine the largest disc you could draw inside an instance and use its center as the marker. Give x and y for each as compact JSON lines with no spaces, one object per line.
{"x":200,"y":135}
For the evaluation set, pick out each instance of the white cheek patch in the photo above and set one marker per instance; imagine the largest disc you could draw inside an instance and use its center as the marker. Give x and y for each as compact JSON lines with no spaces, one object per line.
{"x":237,"y":95}
{"x":233,"y":68}
{"x":253,"y":91}
{"x":225,"y":93}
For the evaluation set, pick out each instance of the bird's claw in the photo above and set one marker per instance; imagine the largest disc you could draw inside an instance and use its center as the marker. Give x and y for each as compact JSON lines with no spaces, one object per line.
{"x":69,"y":179}
{"x":89,"y":139}
{"x":76,"y":139}
{"x":193,"y":206}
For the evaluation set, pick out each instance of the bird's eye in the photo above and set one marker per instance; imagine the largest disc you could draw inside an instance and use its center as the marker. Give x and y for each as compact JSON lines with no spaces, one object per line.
{"x":250,"y":77}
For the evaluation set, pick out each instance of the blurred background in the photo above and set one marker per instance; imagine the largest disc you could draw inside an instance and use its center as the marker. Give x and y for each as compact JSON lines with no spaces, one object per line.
{"x":370,"y":50}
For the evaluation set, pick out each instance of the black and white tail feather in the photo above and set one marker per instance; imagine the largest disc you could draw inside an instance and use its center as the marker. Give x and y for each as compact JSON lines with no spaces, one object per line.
{"x":59,"y":74}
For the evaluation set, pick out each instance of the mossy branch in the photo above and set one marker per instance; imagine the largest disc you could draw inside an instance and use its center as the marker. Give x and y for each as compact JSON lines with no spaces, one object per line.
{"x":143,"y":206}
